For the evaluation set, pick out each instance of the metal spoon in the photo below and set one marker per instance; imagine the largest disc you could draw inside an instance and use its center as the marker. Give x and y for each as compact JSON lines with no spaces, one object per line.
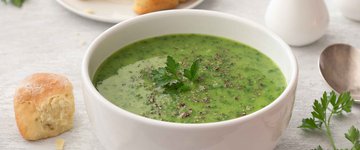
{"x":340,"y":66}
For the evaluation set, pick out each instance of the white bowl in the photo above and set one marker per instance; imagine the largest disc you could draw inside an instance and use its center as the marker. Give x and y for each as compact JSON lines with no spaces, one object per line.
{"x":119,"y":129}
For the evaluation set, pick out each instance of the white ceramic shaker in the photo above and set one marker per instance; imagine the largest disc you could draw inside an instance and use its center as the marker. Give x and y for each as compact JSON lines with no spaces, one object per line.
{"x":298,"y":22}
{"x":349,"y":8}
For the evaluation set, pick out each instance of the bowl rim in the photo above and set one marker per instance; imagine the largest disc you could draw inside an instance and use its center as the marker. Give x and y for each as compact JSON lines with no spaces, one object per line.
{"x":87,"y":82}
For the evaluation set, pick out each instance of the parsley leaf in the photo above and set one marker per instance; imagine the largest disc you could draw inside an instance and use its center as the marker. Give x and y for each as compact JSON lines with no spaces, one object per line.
{"x":343,"y":103}
{"x":353,"y":136}
{"x":17,"y":3}
{"x":320,"y":109}
{"x":176,"y":87}
{"x":161,"y":77}
{"x":335,"y":105}
{"x":191,"y":74}
{"x":170,"y":77}
{"x":318,"y":148}
{"x":172,"y":66}
{"x":310,"y":123}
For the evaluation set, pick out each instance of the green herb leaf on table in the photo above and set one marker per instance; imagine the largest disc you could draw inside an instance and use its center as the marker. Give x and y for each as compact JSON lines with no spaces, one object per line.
{"x":353,"y":135}
{"x":318,"y":148}
{"x":17,"y":3}
{"x":320,"y":109}
{"x":310,"y":123}
{"x":343,"y":103}
{"x":335,"y":105}
{"x":319,"y":114}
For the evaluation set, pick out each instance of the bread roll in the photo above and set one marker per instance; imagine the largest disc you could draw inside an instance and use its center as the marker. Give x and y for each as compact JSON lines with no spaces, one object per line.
{"x":44,"y":106}
{"x":146,"y":6}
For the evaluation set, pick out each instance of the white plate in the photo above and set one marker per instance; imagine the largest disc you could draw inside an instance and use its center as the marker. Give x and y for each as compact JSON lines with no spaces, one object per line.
{"x":107,"y":11}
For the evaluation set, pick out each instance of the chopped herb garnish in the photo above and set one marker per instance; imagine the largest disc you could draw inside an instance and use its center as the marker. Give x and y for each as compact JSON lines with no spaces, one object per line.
{"x":191,"y":74}
{"x":172,"y":79}
{"x":335,"y":106}
{"x":171,"y":66}
{"x":161,"y":77}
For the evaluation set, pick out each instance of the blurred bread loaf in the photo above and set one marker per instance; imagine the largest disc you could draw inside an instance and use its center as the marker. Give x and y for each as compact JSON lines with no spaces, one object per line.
{"x":44,"y":106}
{"x":146,"y":6}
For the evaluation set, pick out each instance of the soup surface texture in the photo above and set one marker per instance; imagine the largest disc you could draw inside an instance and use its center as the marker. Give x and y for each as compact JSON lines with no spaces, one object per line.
{"x":232,"y":79}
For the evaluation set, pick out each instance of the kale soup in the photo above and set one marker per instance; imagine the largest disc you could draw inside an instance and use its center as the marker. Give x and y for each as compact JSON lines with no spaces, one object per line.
{"x":189,"y":78}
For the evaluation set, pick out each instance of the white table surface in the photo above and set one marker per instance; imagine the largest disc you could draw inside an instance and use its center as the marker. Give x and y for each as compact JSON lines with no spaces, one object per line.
{"x":44,"y":37}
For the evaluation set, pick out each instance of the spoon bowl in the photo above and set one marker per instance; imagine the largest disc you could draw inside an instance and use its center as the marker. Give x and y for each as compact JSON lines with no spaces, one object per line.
{"x":340,"y":67}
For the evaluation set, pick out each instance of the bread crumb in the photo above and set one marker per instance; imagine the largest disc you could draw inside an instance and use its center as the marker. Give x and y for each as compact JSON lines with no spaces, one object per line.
{"x":60,"y":144}
{"x":89,"y":11}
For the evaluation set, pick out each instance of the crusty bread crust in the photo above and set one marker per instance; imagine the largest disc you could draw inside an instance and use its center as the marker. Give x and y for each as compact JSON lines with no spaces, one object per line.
{"x":147,"y":6}
{"x":44,"y":106}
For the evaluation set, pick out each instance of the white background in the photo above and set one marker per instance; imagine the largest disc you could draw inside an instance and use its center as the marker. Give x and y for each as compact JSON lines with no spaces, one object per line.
{"x":44,"y":37}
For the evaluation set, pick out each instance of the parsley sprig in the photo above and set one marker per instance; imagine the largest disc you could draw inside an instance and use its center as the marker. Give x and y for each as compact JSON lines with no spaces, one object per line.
{"x":353,"y":136}
{"x":335,"y":106}
{"x":17,"y":3}
{"x":171,"y":78}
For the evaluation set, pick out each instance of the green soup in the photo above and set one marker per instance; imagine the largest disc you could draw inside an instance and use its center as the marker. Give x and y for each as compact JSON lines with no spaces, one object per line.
{"x":233,"y":79}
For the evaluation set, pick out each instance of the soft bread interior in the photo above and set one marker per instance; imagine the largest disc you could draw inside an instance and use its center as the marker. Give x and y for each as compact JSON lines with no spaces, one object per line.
{"x":55,"y":113}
